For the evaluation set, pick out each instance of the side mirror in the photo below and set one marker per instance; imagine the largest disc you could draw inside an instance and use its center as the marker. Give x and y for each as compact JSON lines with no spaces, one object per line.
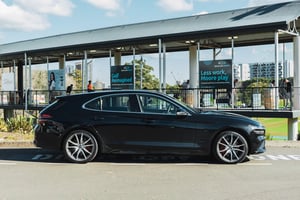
{"x":182,"y":114}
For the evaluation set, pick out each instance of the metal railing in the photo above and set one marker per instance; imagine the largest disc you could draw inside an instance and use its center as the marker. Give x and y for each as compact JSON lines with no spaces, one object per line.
{"x":260,"y":98}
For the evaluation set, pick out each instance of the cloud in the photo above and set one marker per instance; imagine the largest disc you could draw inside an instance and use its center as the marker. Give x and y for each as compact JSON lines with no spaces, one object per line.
{"x":210,"y":0}
{"x":109,"y":5}
{"x":112,"y":7}
{"x":253,"y":3}
{"x":175,"y":5}
{"x":31,"y":15}
{"x":13,"y":17}
{"x":53,"y":7}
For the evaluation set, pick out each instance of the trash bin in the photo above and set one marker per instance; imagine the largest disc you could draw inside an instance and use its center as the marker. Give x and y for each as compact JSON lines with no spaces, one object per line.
{"x":189,"y":97}
{"x":256,"y":100}
{"x":269,"y":98}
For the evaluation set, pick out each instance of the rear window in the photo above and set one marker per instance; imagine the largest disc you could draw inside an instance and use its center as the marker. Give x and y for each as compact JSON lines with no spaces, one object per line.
{"x":94,"y":105}
{"x":109,"y":103}
{"x":57,"y":104}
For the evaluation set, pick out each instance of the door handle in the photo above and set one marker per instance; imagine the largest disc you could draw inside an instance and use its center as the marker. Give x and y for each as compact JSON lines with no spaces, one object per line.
{"x":149,"y":120}
{"x":96,"y":118}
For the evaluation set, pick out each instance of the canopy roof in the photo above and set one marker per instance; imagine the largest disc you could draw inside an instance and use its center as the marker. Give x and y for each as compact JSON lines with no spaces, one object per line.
{"x":252,"y":26}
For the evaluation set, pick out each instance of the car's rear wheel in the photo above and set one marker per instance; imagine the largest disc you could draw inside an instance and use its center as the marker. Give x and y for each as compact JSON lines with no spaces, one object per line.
{"x":80,"y":146}
{"x":230,"y":147}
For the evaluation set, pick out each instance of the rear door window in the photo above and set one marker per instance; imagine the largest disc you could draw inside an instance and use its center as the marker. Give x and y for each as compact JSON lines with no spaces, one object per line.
{"x":117,"y":103}
{"x":114,"y":103}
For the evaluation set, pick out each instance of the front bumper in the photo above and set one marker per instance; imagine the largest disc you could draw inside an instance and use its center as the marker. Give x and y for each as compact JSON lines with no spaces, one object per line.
{"x":258,"y":144}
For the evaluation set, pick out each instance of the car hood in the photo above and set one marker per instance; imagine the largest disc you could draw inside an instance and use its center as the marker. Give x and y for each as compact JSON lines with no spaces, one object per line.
{"x":227,"y":116}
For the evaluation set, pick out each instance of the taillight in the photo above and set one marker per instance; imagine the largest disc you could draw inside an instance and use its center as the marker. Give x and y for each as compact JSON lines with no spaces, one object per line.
{"x":43,"y":118}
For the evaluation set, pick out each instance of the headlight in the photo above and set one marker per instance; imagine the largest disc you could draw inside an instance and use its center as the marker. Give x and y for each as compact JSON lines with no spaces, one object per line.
{"x":259,"y":132}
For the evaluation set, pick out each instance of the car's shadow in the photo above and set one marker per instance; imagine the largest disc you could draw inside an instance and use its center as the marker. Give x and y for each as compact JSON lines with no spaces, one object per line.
{"x":36,"y":155}
{"x":153,"y":158}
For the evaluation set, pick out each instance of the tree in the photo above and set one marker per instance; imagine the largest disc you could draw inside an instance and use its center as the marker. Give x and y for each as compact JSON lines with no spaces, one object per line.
{"x":253,"y":86}
{"x":40,"y":80}
{"x":78,"y":79}
{"x":149,"y":81}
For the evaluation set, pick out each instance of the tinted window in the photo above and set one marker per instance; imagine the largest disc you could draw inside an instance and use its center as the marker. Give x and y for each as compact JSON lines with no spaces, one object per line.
{"x":126,"y":103}
{"x":94,"y":105}
{"x":154,"y":104}
{"x":115,"y":103}
{"x":57,"y":104}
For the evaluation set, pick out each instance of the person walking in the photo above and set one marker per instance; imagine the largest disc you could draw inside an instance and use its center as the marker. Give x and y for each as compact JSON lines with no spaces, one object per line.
{"x":90,"y":86}
{"x":69,"y":89}
{"x":288,"y":88}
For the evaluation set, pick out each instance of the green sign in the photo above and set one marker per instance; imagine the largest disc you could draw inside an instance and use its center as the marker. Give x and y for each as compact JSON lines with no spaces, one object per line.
{"x":215,"y":74}
{"x":122,"y":77}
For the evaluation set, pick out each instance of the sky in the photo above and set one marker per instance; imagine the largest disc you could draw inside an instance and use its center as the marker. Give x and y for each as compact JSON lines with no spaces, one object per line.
{"x":29,"y":19}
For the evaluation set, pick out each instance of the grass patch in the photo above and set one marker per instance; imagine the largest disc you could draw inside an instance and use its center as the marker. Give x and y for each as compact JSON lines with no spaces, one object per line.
{"x":275,"y":127}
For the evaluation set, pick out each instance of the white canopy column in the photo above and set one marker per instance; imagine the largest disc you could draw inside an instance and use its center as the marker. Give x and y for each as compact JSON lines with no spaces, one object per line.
{"x":62,"y":62}
{"x":194,"y":74}
{"x":296,"y":96}
{"x":118,"y":56}
{"x":293,"y":122}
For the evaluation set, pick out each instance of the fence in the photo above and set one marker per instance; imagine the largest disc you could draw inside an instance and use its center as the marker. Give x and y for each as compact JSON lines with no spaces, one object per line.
{"x":260,"y":98}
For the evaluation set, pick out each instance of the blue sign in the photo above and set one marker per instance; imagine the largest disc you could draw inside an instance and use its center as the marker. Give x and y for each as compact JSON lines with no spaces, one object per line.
{"x":122,"y":77}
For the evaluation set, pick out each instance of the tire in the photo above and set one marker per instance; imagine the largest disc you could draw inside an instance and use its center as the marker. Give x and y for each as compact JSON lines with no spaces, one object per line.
{"x":230,"y":147}
{"x":80,"y":146}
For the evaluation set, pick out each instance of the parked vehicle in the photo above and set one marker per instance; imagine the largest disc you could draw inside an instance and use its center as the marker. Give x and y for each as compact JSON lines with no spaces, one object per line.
{"x":139,"y":121}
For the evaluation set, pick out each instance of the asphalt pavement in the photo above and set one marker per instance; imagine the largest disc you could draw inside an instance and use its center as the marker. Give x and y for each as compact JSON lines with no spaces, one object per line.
{"x":269,"y":143}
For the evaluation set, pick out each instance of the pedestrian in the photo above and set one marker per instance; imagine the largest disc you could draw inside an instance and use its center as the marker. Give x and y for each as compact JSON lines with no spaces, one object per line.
{"x":288,"y":88}
{"x":90,"y":86}
{"x":186,"y":92}
{"x":69,"y":89}
{"x":272,"y":84}
{"x":232,"y":93}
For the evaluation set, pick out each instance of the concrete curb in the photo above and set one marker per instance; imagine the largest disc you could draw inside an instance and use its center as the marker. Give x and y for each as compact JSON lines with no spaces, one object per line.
{"x":282,"y":143}
{"x":269,"y":143}
{"x":17,"y":144}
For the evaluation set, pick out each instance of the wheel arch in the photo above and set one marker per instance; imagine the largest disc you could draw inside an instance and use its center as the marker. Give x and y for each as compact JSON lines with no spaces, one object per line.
{"x":84,"y":128}
{"x":237,"y":130}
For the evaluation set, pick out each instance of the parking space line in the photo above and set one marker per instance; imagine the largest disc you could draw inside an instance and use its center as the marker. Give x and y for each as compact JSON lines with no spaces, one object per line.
{"x":191,"y":164}
{"x":255,"y":164}
{"x":128,"y":164}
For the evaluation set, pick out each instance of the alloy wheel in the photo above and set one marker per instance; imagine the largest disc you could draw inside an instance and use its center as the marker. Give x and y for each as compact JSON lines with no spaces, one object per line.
{"x":230,"y":147}
{"x":80,"y":147}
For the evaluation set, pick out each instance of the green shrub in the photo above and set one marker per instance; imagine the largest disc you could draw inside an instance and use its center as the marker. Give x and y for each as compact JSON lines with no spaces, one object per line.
{"x":20,"y":124}
{"x":3,"y":125}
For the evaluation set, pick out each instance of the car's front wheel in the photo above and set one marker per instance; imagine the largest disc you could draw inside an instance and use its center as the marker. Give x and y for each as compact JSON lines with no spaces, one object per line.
{"x":80,"y":146}
{"x":230,"y":147}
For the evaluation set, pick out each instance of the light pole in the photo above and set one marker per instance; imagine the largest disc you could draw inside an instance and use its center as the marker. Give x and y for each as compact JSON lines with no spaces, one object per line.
{"x":141,"y":68}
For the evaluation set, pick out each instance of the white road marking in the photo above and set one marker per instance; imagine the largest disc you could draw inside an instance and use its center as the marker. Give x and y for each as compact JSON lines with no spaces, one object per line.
{"x":128,"y":164}
{"x":4,"y":163}
{"x":255,"y":164}
{"x":191,"y":164}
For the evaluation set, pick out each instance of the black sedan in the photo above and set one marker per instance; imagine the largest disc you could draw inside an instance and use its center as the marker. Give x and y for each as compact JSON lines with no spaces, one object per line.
{"x":133,"y":121}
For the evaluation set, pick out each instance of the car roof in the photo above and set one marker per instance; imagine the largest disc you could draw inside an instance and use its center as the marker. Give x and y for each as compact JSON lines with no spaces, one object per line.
{"x":107,"y":92}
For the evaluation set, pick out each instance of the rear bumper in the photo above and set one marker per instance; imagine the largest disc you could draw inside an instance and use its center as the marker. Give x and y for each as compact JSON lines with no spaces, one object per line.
{"x":45,"y":139}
